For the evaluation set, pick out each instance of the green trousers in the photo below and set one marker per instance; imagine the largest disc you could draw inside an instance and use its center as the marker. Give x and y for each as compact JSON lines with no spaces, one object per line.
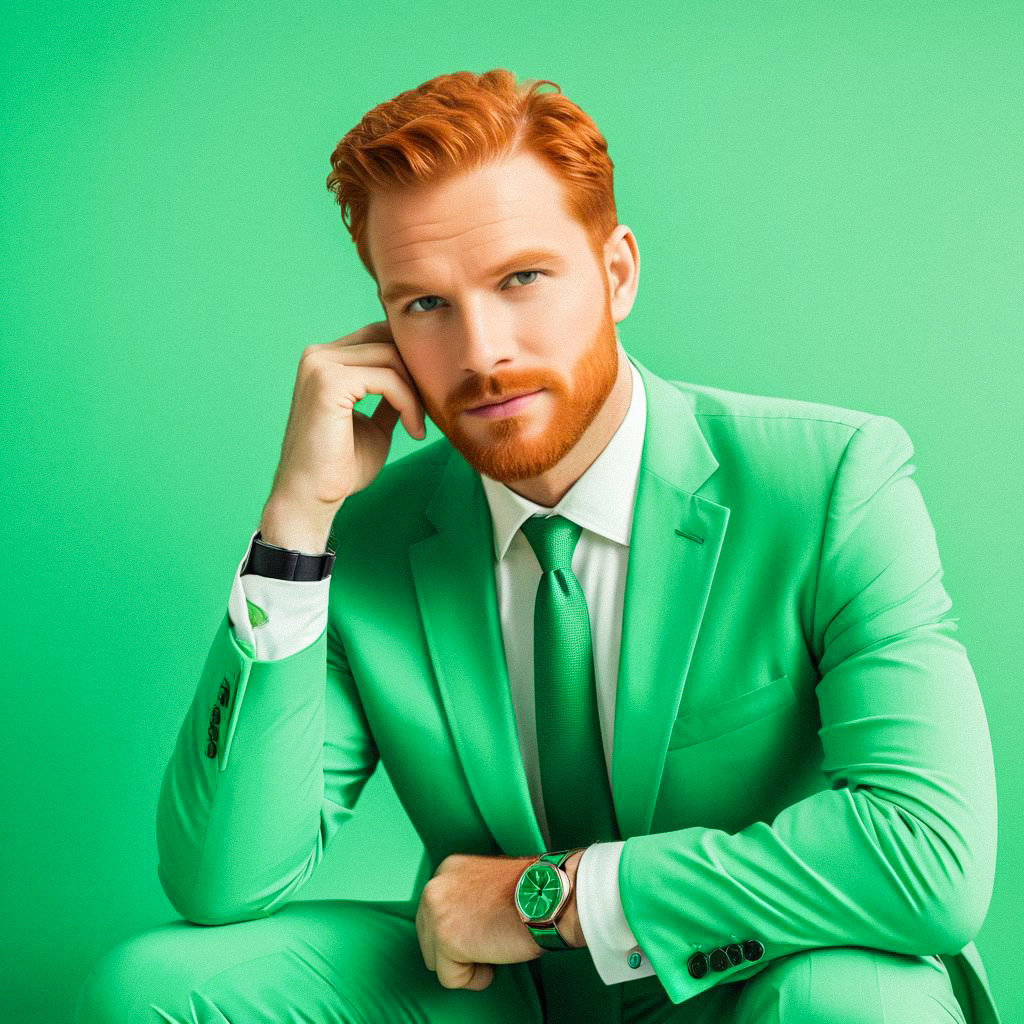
{"x":332,"y":961}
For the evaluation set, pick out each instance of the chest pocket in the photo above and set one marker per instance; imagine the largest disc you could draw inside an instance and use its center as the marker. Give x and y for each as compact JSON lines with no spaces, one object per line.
{"x":728,"y":763}
{"x":705,"y":723}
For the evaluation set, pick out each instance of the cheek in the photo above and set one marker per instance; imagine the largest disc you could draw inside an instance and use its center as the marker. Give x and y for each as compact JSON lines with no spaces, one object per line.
{"x":427,"y":363}
{"x":429,"y":383}
{"x":585,"y":307}
{"x":572,"y":305}
{"x":556,"y":329}
{"x":417,"y":362}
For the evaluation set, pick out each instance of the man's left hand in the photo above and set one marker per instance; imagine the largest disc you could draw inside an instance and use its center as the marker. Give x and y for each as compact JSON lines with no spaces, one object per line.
{"x":467,"y":920}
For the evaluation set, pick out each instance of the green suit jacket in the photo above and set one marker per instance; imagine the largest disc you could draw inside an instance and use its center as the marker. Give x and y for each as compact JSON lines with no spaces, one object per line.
{"x":801,"y":750}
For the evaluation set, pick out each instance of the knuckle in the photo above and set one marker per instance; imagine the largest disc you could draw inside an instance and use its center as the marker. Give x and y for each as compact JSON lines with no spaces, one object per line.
{"x":321,"y":368}
{"x":315,"y":373}
{"x":311,"y":365}
{"x":429,"y":896}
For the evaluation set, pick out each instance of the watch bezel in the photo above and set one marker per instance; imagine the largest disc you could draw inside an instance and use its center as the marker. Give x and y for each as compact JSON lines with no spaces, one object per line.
{"x":565,"y":884}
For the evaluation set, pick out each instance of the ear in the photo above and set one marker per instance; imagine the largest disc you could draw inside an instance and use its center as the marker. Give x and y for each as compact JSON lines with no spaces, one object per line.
{"x":622,"y":267}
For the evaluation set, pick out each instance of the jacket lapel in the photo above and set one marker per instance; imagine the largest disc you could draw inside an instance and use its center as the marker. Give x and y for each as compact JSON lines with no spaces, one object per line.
{"x":453,"y":573}
{"x":673,"y":553}
{"x":674,"y":549}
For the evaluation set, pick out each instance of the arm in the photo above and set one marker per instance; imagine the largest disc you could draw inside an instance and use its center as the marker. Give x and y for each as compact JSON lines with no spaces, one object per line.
{"x":240,"y":831}
{"x":899,"y":853}
{"x":275,"y":618}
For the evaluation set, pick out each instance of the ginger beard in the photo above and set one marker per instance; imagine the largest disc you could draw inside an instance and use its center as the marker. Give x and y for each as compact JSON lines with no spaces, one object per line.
{"x":512,"y":447}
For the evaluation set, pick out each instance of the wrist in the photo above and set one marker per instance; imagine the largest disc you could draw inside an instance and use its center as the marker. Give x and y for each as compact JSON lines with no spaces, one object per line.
{"x":545,"y":899}
{"x":285,"y":527}
{"x":569,"y":923}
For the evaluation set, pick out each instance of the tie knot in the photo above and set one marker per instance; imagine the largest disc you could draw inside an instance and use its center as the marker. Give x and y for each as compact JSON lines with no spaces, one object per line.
{"x":553,"y":539}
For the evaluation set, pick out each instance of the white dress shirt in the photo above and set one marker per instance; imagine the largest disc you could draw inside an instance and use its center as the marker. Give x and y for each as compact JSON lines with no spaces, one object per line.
{"x":601,"y":501}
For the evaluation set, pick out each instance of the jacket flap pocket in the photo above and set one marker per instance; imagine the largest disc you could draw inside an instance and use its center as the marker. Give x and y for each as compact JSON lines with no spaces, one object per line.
{"x":704,"y":723}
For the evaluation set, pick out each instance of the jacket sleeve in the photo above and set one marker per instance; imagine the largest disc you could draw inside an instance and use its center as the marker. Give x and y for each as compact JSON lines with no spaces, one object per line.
{"x":274,"y":618}
{"x":268,"y":765}
{"x":899,"y":852}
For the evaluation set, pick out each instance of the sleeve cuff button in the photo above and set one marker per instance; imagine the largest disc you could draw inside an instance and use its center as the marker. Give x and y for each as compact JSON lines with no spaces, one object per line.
{"x":753,"y":950}
{"x":697,"y":965}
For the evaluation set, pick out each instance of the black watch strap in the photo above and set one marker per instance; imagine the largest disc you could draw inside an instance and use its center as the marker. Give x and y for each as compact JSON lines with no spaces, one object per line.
{"x":285,"y":564}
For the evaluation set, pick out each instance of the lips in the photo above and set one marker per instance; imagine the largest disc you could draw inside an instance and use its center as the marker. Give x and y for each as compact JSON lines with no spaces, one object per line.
{"x":505,"y":398}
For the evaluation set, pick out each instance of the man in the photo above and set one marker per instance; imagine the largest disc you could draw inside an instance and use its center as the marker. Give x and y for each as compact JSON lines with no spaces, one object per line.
{"x":663,"y":674}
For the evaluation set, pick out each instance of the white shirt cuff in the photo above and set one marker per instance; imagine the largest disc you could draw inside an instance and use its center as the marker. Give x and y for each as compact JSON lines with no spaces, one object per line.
{"x":276,"y":618}
{"x":610,"y":940}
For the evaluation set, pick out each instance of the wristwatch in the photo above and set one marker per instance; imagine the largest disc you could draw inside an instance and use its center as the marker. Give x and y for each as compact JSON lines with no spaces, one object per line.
{"x":286,"y":564}
{"x":542,"y":894}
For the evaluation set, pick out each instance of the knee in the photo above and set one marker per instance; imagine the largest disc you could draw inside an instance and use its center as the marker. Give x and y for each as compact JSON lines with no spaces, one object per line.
{"x":834,"y":984}
{"x":122,"y":984}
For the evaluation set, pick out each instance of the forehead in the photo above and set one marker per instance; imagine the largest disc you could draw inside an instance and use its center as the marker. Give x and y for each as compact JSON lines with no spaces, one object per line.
{"x":470,"y":219}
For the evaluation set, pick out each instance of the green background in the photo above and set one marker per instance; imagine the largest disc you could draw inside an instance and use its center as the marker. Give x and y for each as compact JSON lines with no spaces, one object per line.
{"x":827,"y":199}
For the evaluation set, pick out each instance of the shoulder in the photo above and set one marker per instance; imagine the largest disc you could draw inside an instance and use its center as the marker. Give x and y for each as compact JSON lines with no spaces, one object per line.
{"x":711,"y":403}
{"x":783,"y":425}
{"x":791,"y":450}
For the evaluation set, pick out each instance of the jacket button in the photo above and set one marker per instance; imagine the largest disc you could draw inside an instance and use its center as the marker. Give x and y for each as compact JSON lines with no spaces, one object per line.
{"x":213,"y":732}
{"x":718,"y":959}
{"x":753,"y":950}
{"x":215,"y":715}
{"x":734,"y":953}
{"x":211,"y":749}
{"x":697,"y":965}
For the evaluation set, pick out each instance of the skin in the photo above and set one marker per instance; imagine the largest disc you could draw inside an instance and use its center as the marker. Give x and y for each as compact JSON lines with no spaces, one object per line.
{"x":472,"y":336}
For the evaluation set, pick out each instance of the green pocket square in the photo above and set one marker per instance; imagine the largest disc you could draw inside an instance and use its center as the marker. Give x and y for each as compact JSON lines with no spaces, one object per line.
{"x":257,"y":616}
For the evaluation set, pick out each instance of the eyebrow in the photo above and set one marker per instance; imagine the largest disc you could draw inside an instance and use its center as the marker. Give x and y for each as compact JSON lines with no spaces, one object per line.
{"x":401,"y":289}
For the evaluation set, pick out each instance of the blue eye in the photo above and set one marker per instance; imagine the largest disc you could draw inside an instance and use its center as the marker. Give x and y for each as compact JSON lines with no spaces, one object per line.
{"x":409,"y":309}
{"x":518,"y":272}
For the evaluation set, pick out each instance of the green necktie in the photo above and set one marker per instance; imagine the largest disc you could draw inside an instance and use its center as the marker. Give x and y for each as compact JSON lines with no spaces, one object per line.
{"x":574,"y":778}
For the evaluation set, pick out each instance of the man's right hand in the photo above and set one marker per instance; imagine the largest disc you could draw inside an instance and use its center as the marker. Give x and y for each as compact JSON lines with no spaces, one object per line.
{"x":330,"y":450}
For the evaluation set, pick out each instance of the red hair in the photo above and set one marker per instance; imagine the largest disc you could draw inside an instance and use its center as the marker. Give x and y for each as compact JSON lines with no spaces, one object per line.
{"x":462,"y":121}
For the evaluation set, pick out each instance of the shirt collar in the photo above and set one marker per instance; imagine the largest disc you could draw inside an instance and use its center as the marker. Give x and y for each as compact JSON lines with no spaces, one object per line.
{"x":601,"y":500}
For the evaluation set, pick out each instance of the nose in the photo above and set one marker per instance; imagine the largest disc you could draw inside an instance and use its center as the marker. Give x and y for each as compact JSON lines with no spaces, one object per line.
{"x":485,"y":340}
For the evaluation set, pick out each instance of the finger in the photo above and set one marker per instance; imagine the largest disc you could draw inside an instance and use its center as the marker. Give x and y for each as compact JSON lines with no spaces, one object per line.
{"x":384,"y":381}
{"x":372,"y":345}
{"x":454,"y":973}
{"x":376,"y":331}
{"x":483,"y":975}
{"x":374,"y":341}
{"x":366,"y":353}
{"x":401,"y":402}
{"x":385,"y":415}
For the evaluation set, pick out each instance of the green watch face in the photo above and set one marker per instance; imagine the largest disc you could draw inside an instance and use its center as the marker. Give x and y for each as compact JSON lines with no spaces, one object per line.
{"x":539,"y":892}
